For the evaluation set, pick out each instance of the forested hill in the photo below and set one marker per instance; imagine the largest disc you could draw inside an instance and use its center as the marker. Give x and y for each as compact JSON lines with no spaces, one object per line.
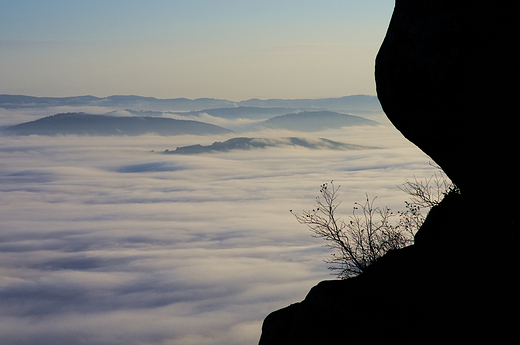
{"x":104,"y":125}
{"x":312,"y":121}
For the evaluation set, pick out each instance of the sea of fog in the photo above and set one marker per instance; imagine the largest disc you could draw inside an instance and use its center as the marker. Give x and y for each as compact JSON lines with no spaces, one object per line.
{"x":108,"y":241}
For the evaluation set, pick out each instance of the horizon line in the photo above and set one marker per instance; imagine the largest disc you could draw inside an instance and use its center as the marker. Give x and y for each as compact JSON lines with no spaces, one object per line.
{"x":186,"y":98}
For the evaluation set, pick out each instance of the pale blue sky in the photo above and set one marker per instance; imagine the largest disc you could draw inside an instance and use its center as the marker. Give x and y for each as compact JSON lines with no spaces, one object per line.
{"x":234,"y":49}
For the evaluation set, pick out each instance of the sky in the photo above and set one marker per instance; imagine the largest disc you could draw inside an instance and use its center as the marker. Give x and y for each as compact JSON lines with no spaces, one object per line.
{"x":230,"y":49}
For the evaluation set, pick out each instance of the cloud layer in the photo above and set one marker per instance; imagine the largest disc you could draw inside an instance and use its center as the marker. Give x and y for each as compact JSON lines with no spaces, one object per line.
{"x":103,"y":241}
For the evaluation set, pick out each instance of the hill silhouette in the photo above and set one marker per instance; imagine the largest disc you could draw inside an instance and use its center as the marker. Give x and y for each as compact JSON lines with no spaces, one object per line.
{"x":348,"y":103}
{"x":244,"y":143}
{"x":104,"y":125}
{"x":253,"y":113}
{"x":313,"y":121}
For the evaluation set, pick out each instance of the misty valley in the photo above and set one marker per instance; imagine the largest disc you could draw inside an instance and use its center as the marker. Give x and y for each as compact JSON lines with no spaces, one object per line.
{"x":144,"y":220}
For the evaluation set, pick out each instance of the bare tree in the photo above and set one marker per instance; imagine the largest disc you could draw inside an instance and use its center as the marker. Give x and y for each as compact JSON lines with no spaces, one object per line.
{"x":429,"y":192}
{"x":369,"y":232}
{"x":365,"y":237}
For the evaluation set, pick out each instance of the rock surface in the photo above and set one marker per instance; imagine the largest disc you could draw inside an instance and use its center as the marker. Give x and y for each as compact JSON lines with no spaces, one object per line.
{"x":428,"y":293}
{"x":446,"y":76}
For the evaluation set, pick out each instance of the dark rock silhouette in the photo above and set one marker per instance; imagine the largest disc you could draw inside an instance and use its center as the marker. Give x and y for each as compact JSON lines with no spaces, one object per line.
{"x":445,"y":73}
{"x":443,"y":77}
{"x":450,"y":289}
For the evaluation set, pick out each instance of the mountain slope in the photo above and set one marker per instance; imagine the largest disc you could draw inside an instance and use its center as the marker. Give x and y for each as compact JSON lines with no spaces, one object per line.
{"x":244,"y":143}
{"x":313,"y":121}
{"x":103,"y":125}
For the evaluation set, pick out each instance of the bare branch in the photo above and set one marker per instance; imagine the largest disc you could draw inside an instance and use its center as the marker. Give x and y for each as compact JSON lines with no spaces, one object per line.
{"x":364,"y":238}
{"x":369,"y":232}
{"x":429,"y":192}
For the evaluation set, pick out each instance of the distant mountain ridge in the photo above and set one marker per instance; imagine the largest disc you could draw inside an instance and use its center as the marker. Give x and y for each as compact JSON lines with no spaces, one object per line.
{"x":104,"y":125}
{"x":353,"y":102}
{"x":244,"y":143}
{"x":134,"y":102}
{"x":313,"y":121}
{"x":243,"y":112}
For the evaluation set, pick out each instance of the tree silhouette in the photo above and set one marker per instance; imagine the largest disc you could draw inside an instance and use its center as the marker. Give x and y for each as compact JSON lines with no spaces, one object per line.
{"x":370,"y":232}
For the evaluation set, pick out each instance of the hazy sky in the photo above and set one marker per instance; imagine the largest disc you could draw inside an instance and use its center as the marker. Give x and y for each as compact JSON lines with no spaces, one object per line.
{"x":191,"y":48}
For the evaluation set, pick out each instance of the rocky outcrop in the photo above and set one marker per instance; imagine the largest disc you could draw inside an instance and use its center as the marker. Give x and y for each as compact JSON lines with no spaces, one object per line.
{"x":428,"y":293}
{"x":446,"y":75}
